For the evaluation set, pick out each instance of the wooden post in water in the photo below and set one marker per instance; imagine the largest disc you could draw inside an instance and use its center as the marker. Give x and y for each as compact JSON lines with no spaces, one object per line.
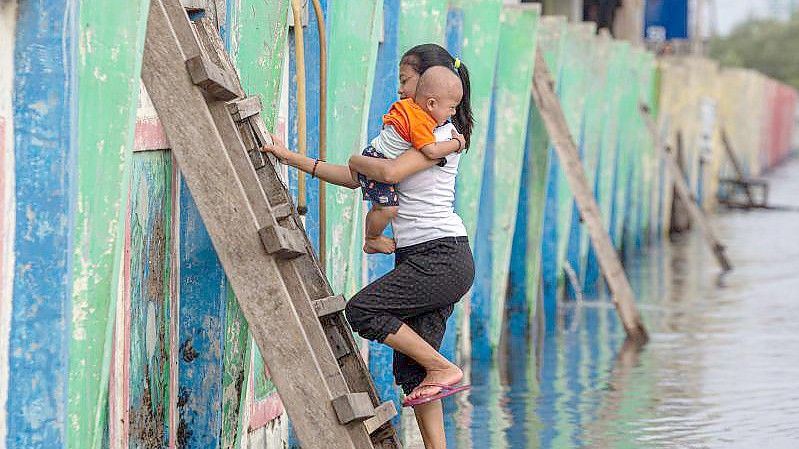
{"x":555,"y":122}
{"x":685,"y":195}
{"x":739,"y":173}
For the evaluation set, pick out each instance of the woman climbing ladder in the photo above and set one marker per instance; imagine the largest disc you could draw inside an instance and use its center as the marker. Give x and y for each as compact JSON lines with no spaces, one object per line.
{"x":408,"y":307}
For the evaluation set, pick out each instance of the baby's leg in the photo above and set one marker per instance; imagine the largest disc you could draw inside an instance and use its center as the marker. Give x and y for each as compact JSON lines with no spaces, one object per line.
{"x":376,"y":221}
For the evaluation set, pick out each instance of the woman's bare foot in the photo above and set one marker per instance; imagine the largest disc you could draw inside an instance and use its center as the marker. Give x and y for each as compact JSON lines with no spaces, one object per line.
{"x":450,"y":375}
{"x":379,"y":244}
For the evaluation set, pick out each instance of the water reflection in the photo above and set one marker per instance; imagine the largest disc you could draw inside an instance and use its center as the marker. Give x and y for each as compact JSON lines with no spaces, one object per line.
{"x":719,"y":372}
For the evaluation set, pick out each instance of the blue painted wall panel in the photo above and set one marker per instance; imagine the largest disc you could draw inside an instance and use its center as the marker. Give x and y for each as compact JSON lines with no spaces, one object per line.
{"x":45,"y":151}
{"x":454,"y":41}
{"x":482,"y":307}
{"x":384,"y":93}
{"x":201,"y":314}
{"x":549,"y":245}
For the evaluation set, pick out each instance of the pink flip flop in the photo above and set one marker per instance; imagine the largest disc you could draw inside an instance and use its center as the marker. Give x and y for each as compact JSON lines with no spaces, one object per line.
{"x":446,"y":390}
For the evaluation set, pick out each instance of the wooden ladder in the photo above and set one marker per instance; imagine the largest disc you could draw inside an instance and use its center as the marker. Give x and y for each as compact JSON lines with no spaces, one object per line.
{"x":215,"y":133}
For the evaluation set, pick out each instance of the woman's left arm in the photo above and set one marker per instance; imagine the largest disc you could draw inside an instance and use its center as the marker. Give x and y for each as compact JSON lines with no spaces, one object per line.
{"x":391,"y":171}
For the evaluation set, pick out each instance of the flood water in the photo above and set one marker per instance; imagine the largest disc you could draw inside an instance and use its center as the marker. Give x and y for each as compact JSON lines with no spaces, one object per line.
{"x":721,"y":369}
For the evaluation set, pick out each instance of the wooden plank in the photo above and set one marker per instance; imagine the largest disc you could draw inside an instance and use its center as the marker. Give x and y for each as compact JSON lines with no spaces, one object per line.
{"x":108,"y":89}
{"x":45,"y":153}
{"x":226,"y":211}
{"x":555,"y":122}
{"x":329,"y":305}
{"x":150,"y":294}
{"x":739,"y":173}
{"x":247,"y":107}
{"x":383,"y":413}
{"x":353,"y":407}
{"x":686,"y":197}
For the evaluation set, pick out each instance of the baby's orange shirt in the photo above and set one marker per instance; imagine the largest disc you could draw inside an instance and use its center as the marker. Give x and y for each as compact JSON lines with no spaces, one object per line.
{"x":412,"y":122}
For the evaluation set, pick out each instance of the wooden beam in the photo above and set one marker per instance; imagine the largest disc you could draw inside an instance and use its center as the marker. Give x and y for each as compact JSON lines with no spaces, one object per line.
{"x":566,"y":149}
{"x":739,"y":173}
{"x":684,"y":192}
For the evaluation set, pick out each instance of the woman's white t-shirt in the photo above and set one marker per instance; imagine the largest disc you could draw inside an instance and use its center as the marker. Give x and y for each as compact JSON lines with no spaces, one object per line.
{"x":427,"y":201}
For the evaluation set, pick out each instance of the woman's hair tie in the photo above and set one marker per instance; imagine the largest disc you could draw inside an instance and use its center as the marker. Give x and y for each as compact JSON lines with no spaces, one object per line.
{"x":457,"y":63}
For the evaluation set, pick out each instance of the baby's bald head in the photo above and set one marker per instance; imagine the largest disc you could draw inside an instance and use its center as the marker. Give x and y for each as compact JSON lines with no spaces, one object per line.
{"x":439,"y":92}
{"x":437,"y":81}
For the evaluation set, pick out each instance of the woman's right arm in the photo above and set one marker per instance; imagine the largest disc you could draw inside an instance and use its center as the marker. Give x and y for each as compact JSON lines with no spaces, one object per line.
{"x":340,"y":175}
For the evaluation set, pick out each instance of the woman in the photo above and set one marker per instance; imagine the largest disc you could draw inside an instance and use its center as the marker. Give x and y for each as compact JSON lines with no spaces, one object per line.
{"x":408,"y":307}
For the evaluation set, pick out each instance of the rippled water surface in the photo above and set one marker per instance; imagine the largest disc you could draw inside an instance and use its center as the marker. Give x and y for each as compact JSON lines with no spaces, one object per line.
{"x":721,"y":369}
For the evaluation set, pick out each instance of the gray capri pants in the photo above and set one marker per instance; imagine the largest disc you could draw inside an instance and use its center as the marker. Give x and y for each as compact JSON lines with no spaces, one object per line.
{"x":421,"y":291}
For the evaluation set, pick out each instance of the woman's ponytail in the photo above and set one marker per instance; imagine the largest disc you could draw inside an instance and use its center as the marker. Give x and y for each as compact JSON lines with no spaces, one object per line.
{"x":463,"y":113}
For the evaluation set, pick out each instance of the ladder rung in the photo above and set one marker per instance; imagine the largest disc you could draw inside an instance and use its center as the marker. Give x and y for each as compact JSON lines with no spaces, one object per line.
{"x":210,"y":78}
{"x":338,"y":343}
{"x":259,"y":129}
{"x":282,"y":211}
{"x":384,"y":413}
{"x":353,"y":407}
{"x":281,"y":242}
{"x":329,"y":305}
{"x":258,"y":159}
{"x":244,"y":108}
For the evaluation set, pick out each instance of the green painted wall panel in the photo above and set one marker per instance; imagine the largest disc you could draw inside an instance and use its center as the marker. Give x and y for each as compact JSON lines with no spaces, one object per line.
{"x":551,"y":34}
{"x":572,"y":97}
{"x":352,"y":55}
{"x":512,"y":99}
{"x":422,"y":22}
{"x":150,"y":297}
{"x":258,"y":45}
{"x":110,"y":52}
{"x":597,"y":51}
{"x":479,"y":54}
{"x":236,"y":369}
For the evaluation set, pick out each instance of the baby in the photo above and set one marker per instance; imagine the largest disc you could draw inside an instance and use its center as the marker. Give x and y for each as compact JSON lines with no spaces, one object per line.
{"x":410,"y":123}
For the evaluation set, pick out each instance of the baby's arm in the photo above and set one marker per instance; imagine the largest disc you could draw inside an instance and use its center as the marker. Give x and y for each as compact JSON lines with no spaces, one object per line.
{"x":438,"y":150}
